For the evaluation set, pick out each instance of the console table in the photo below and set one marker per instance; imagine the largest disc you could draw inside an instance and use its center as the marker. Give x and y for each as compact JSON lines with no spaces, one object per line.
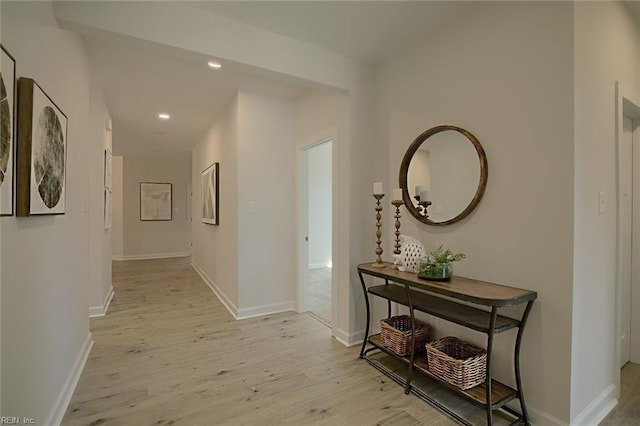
{"x":453,"y":301}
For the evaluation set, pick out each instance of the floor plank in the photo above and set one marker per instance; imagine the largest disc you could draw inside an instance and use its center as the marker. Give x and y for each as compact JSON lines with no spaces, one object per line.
{"x":627,"y":412}
{"x":168,"y":352}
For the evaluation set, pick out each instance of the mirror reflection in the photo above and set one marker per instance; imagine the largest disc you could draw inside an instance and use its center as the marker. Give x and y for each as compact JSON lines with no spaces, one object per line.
{"x":443,"y":175}
{"x":445,"y":170}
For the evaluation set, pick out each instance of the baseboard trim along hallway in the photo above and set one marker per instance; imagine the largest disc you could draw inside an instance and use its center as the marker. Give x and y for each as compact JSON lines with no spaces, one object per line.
{"x":151,"y":256}
{"x":100,"y":311}
{"x":66,"y":393}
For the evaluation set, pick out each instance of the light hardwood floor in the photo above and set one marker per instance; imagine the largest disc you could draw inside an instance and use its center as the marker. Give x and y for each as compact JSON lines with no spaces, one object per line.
{"x":627,"y":412}
{"x":168,"y":352}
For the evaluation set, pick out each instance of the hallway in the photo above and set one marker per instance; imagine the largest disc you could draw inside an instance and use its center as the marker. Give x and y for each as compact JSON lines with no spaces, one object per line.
{"x":168,"y":352}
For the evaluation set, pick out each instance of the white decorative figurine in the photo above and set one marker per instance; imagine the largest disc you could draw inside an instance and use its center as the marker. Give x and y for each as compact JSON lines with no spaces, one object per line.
{"x":411,"y":251}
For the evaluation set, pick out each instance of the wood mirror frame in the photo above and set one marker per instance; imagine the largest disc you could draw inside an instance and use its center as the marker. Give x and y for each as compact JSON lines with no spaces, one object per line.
{"x":404,"y":171}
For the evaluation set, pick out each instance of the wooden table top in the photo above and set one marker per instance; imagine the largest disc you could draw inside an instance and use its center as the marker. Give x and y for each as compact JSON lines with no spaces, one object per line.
{"x":480,"y":292}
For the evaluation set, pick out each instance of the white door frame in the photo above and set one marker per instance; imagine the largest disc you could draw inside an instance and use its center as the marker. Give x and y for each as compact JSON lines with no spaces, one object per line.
{"x":627,"y":104}
{"x":189,"y":217}
{"x":302,"y":216}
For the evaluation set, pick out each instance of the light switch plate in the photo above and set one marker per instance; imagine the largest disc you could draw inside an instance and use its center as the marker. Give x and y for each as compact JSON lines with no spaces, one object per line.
{"x":602,"y":203}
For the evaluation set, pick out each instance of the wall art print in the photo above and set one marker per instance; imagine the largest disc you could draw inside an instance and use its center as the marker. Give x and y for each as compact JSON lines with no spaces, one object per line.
{"x":7,"y":130}
{"x":41,"y":152}
{"x":210,"y":194}
{"x":155,"y":201}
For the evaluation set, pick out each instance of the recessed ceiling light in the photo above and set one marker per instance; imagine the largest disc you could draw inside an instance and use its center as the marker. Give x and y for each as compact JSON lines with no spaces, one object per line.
{"x":214,"y":64}
{"x":164,"y":116}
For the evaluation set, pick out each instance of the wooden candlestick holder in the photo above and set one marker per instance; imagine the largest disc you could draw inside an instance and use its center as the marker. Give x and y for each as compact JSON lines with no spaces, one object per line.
{"x":397,"y":204}
{"x":424,"y":205}
{"x":378,"y":263}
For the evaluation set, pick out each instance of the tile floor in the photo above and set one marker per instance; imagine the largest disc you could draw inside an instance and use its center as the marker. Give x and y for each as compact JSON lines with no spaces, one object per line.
{"x":319,"y":294}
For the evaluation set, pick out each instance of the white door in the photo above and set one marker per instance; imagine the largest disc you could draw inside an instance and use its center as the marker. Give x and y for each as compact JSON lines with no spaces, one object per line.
{"x":626,"y":164}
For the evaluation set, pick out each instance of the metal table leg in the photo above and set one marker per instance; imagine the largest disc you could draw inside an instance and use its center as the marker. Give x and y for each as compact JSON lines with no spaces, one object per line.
{"x":407,"y":388}
{"x":492,"y":326}
{"x":366,"y":300}
{"x":516,"y":362}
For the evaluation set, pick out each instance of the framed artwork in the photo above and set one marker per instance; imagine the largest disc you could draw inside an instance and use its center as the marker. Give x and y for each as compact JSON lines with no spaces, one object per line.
{"x":41,"y":152}
{"x":155,"y":201}
{"x":210,"y":194}
{"x":108,"y":159}
{"x":7,"y":129}
{"x":108,"y":201}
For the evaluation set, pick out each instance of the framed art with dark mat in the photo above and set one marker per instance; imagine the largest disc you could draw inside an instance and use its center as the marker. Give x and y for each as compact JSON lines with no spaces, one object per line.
{"x":7,"y":129}
{"x":41,"y":152}
{"x":210,"y":194}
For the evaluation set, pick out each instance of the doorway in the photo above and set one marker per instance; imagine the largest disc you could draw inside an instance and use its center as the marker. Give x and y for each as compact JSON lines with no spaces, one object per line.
{"x":628,"y":252}
{"x":317,"y":265}
{"x":628,"y":184}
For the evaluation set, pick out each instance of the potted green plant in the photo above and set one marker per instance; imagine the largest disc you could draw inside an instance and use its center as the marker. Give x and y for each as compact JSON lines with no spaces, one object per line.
{"x":438,"y":265}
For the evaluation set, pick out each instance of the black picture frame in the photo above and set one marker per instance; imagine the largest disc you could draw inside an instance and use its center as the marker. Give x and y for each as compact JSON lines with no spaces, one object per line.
{"x":41,"y":152}
{"x":8,"y":102}
{"x":210,"y":190}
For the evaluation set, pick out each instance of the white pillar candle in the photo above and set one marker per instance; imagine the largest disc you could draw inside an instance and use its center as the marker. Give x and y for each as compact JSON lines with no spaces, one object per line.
{"x":377,"y":188}
{"x":397,"y":194}
{"x":419,"y":189}
{"x":424,"y":196}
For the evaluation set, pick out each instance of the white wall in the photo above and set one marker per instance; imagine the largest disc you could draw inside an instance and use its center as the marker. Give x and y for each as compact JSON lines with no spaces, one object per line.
{"x":149,"y":239}
{"x":117,"y":251}
{"x":99,"y":237}
{"x":607,"y":48}
{"x":504,"y":72}
{"x":319,"y":209}
{"x":45,"y":327}
{"x":266,"y":197}
{"x":253,"y":142}
{"x":215,"y":247}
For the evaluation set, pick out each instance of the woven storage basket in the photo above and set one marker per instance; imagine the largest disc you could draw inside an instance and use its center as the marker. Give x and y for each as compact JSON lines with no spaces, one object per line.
{"x":457,"y":362}
{"x":395,"y":333}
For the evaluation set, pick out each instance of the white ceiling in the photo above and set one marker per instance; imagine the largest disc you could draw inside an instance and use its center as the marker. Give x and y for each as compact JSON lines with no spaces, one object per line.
{"x":369,"y":31}
{"x":141,"y":79}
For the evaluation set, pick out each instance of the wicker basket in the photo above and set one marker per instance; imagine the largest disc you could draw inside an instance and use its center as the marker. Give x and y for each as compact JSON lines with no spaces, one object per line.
{"x":396,"y":334}
{"x":457,"y":362}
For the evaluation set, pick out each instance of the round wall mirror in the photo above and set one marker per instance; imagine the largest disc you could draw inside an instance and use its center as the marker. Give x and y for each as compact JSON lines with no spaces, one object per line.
{"x":443,"y":175}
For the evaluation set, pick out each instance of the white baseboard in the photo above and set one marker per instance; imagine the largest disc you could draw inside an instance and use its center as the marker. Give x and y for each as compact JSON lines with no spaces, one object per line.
{"x":100,"y":311}
{"x":592,"y":414}
{"x":244,"y":313}
{"x":597,"y":409}
{"x":231,"y":307}
{"x":347,"y":339}
{"x":150,"y":256}
{"x":64,"y":397}
{"x":258,"y":311}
